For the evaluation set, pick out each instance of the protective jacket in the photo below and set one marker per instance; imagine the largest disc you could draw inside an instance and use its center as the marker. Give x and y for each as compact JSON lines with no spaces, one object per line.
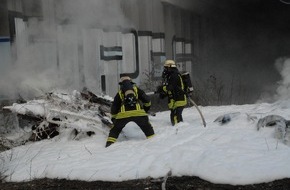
{"x":174,"y":88}
{"x":120,"y":109}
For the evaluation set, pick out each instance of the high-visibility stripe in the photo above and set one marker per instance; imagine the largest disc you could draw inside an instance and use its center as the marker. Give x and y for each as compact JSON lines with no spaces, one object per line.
{"x":123,"y":108}
{"x":148,"y":137}
{"x":147,"y":104}
{"x":122,"y":98}
{"x":181,"y":81}
{"x":164,"y":88}
{"x":180,"y":103}
{"x":136,"y":91}
{"x":111,"y":139}
{"x":121,"y":95}
{"x":171,"y":104}
{"x":131,"y":113}
{"x":138,"y":107}
{"x":175,"y":120}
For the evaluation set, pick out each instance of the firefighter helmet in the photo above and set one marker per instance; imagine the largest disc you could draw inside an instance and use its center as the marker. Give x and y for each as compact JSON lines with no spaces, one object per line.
{"x":169,"y":63}
{"x":124,"y":78}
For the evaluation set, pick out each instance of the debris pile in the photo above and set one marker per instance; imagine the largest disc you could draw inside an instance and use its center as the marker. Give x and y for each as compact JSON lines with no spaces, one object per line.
{"x":280,"y":124}
{"x":82,"y":113}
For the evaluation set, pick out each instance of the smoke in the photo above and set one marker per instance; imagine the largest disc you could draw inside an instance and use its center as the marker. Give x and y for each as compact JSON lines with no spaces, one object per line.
{"x":36,"y":66}
{"x":92,"y":13}
{"x":283,"y":90}
{"x":33,"y":71}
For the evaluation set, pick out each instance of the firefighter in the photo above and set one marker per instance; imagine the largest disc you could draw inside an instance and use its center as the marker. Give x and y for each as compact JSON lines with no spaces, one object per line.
{"x":173,"y":88}
{"x":130,"y":104}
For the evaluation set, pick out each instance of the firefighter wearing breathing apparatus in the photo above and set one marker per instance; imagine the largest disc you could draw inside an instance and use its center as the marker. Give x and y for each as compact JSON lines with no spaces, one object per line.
{"x":173,"y":87}
{"x":130,"y":104}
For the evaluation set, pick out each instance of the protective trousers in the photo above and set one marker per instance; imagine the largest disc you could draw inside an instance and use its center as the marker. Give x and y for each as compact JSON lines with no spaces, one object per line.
{"x":176,"y":115}
{"x":141,"y":121}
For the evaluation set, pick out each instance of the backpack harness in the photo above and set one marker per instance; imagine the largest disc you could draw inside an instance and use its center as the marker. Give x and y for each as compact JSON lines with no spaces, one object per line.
{"x":130,"y":99}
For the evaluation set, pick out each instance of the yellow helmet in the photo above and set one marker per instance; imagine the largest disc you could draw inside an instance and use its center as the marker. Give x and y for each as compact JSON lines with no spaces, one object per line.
{"x":125,"y":78}
{"x":169,"y":63}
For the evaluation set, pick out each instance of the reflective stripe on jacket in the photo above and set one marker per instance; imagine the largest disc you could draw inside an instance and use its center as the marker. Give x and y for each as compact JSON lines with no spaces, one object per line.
{"x":119,"y":110}
{"x":175,"y":91}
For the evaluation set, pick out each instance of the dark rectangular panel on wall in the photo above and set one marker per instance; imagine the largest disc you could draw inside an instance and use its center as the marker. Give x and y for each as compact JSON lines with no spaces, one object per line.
{"x":4,"y":28}
{"x":157,"y":54}
{"x":4,"y":39}
{"x":103,"y":83}
{"x":111,"y":53}
{"x":144,"y":33}
{"x":158,"y":35}
{"x":11,"y":18}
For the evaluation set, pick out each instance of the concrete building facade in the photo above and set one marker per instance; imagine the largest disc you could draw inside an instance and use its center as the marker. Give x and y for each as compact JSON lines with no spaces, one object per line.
{"x":73,"y":44}
{"x":99,"y":41}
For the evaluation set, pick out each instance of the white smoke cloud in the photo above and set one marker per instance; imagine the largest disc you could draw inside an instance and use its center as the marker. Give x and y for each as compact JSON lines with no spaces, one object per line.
{"x":28,"y":76}
{"x":92,"y":13}
{"x":34,"y":70}
{"x":283,"y":90}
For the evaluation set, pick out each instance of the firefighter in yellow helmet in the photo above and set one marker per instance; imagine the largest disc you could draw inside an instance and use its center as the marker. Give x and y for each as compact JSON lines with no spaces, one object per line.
{"x":173,"y":87}
{"x":130,"y":104}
